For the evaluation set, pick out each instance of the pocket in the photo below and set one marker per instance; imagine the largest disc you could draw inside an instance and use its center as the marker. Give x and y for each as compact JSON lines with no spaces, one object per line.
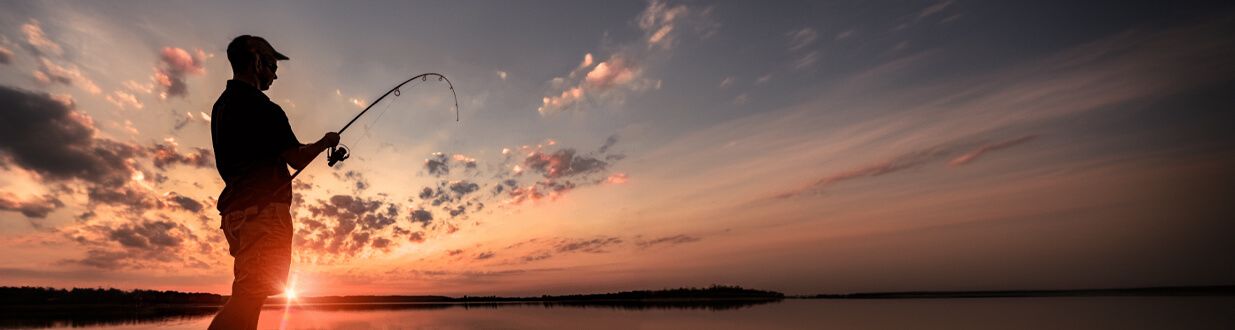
{"x":229,"y":233}
{"x":238,"y":229}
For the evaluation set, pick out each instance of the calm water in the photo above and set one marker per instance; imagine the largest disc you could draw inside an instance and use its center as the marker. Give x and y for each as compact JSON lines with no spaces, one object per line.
{"x":1002,"y":313}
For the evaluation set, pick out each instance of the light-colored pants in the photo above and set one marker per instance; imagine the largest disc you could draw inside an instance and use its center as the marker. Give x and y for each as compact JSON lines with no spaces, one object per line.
{"x":260,"y":238}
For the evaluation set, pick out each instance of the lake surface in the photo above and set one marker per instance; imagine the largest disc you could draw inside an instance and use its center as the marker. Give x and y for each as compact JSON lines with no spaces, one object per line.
{"x":967,"y":313}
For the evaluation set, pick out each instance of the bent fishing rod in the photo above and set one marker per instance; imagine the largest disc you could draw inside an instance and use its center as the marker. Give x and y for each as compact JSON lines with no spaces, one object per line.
{"x":339,"y":152}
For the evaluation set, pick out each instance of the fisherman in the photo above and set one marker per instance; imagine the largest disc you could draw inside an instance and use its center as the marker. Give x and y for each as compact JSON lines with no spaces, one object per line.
{"x":253,"y":146}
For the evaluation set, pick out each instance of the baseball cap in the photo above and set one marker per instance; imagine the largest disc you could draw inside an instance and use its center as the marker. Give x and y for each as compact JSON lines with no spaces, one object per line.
{"x":247,"y":44}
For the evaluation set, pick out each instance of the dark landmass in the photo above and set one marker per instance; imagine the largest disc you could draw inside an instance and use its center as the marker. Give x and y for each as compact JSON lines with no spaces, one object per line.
{"x":37,"y":296}
{"x":713,"y":293}
{"x":1165,"y":291}
{"x":88,"y":296}
{"x":34,"y":307}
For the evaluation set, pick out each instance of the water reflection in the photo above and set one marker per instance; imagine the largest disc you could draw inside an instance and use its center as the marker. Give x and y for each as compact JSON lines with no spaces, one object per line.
{"x":64,"y":317}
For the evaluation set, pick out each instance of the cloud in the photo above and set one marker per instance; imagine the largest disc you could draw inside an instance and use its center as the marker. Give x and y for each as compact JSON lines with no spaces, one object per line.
{"x":557,"y":172}
{"x":844,"y":34}
{"x":164,"y":155}
{"x":660,"y":21}
{"x":355,"y":178}
{"x":124,"y":100}
{"x":763,"y":79}
{"x":667,"y":240}
{"x":876,"y":169}
{"x":189,"y":117}
{"x":38,"y":41}
{"x":36,"y":208}
{"x":617,"y":178}
{"x":799,"y":41}
{"x":103,"y":259}
{"x":609,"y":81}
{"x":421,"y":216}
{"x":463,"y":187}
{"x":485,"y":255}
{"x":563,"y":163}
{"x":6,"y":55}
{"x":184,"y":202}
{"x":174,"y":65}
{"x":805,"y":61}
{"x":134,"y":197}
{"x":347,"y":225}
{"x":611,"y":73}
{"x":555,"y":246}
{"x":49,"y":72}
{"x":156,"y":235}
{"x":934,"y":8}
{"x":139,"y":244}
{"x":802,"y":38}
{"x":419,"y":236}
{"x":609,"y":142}
{"x":593,"y":245}
{"x":973,"y":155}
{"x":437,"y":164}
{"x":48,"y":137}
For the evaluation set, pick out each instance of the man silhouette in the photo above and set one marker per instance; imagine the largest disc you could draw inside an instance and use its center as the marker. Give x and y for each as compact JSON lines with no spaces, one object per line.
{"x":253,"y":145}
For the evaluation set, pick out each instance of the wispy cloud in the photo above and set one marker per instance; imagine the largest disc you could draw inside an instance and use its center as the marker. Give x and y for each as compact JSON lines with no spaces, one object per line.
{"x":50,"y":72}
{"x":974,"y":154}
{"x":608,"y":81}
{"x":934,"y":8}
{"x":38,"y":41}
{"x":802,"y":38}
{"x":667,"y":241}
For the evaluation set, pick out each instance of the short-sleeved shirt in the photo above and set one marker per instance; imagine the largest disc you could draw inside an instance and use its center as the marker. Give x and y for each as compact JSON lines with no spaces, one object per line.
{"x":250,"y":134}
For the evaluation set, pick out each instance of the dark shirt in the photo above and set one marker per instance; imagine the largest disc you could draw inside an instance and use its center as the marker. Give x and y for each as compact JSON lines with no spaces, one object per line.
{"x":250,"y":134}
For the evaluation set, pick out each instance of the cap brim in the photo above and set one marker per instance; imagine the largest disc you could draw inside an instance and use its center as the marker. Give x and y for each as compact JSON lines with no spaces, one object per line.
{"x":279,"y":56}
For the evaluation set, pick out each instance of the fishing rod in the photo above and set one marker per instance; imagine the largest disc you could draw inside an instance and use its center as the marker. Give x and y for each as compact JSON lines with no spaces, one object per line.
{"x":340,"y":152}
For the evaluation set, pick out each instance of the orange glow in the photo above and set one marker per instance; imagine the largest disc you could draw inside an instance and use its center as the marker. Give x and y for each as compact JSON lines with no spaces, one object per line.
{"x":618,"y":178}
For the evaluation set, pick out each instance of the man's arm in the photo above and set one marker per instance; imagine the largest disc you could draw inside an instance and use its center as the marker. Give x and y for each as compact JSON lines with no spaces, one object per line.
{"x":299,"y":157}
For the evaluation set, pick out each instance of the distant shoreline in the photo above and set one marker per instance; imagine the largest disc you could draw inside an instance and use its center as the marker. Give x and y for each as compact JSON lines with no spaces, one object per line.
{"x":1164,"y":291}
{"x":49,"y":300}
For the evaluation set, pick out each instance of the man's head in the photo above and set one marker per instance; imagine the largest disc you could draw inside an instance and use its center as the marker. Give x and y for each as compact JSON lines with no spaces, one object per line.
{"x":254,"y":60}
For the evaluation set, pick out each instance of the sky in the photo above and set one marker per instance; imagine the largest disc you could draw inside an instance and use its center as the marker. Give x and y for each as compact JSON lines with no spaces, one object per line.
{"x":797,"y":146}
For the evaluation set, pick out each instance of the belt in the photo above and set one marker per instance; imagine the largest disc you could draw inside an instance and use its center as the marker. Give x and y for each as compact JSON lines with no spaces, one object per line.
{"x":255,"y":209}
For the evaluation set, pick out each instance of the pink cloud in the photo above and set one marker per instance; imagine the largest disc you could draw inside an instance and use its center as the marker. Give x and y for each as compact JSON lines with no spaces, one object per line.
{"x":611,"y":73}
{"x":174,"y":65}
{"x":50,"y":72}
{"x":124,"y":100}
{"x":31,"y":208}
{"x":611,"y":80}
{"x":39,"y":41}
{"x":972,"y":155}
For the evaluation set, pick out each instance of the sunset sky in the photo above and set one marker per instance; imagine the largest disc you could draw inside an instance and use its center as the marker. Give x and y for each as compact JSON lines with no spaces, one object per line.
{"x":803,"y":147}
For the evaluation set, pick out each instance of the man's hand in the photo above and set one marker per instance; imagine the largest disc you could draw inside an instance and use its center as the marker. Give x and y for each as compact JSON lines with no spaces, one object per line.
{"x":330,"y":140}
{"x":300,"y":157}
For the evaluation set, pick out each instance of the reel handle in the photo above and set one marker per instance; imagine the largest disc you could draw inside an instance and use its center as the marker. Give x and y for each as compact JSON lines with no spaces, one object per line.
{"x":336,"y":154}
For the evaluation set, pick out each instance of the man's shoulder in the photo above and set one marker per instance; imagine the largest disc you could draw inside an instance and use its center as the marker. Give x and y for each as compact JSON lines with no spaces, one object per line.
{"x":245,"y":103}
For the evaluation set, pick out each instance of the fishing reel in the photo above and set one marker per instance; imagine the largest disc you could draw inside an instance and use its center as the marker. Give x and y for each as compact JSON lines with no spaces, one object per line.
{"x":336,"y":154}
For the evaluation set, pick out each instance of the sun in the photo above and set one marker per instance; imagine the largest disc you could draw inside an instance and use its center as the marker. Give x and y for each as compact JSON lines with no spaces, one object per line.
{"x":290,"y":293}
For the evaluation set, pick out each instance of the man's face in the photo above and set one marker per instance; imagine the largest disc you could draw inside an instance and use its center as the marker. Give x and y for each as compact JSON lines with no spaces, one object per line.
{"x":267,"y":65}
